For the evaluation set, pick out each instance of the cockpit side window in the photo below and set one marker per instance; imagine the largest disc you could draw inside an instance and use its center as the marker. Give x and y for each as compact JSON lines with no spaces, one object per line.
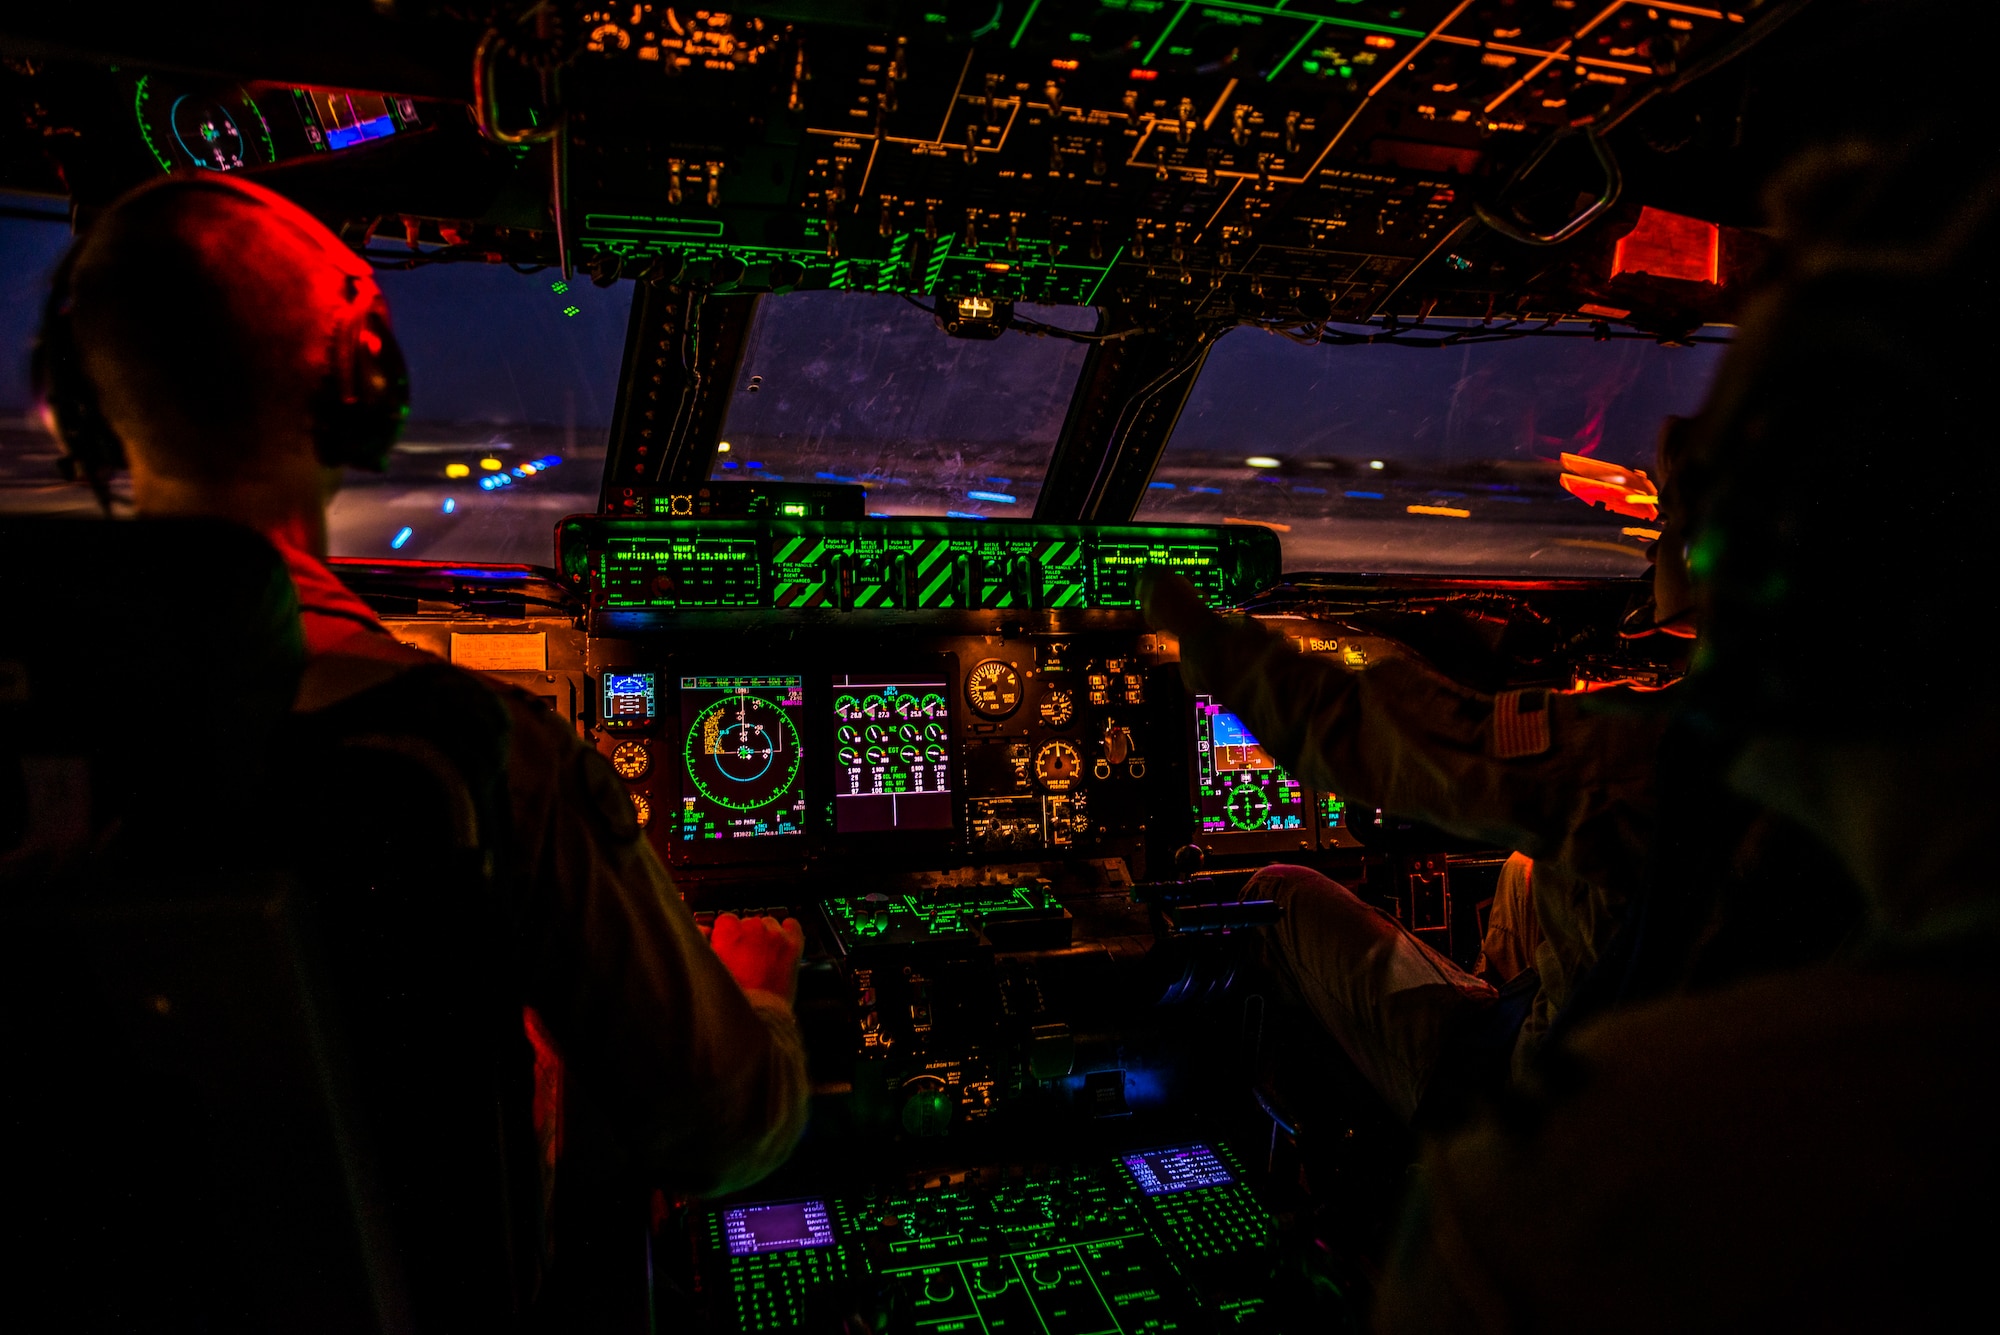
{"x":1443,"y":460}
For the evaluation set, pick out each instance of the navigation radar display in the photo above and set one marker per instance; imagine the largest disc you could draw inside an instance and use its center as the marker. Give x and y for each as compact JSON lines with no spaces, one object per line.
{"x":892,"y":754}
{"x":1239,"y":788}
{"x":740,"y":758}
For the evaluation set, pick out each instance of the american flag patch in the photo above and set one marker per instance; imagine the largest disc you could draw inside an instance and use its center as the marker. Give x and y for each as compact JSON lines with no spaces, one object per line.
{"x":1520,"y":724}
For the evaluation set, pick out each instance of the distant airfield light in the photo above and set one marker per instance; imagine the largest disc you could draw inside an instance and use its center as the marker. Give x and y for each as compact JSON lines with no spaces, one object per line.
{"x":997,"y":497}
{"x":449,"y":505}
{"x":1446,"y":511}
{"x":458,"y":470}
{"x":402,"y":536}
{"x":1261,"y":461}
{"x":491,"y":465}
{"x":1259,"y":523}
{"x":1375,"y":464}
{"x":722,"y":447}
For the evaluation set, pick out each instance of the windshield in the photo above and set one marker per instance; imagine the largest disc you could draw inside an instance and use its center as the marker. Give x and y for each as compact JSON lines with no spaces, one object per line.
{"x":512,"y":382}
{"x":864,"y":387}
{"x":1396,"y":459}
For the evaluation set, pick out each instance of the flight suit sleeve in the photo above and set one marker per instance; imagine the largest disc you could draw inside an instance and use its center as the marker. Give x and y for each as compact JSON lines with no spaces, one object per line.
{"x":1399,"y":736}
{"x":706,"y":1082}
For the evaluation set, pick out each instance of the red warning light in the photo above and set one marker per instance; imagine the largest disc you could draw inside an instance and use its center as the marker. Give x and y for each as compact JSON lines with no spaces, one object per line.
{"x":1145,"y":74}
{"x":1063,"y":64}
{"x":1669,"y":245}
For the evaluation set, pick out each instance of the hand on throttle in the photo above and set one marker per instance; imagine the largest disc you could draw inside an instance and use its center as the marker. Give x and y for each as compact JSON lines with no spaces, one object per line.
{"x":760,"y":953}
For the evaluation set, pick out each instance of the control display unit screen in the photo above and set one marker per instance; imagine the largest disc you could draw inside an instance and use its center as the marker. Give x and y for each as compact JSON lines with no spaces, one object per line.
{"x":892,"y":753}
{"x":1239,"y":788}
{"x":782,"y":1226}
{"x":629,"y":698}
{"x":741,"y":758}
{"x":1186,"y":1168}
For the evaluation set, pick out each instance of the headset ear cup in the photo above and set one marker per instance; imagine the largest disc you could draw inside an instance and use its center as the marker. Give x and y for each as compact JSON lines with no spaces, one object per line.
{"x":368,"y":396}
{"x":92,"y":451}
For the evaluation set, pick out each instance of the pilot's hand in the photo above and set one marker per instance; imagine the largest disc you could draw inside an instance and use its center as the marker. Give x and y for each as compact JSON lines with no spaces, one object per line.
{"x":1172,"y":604}
{"x":760,"y":953}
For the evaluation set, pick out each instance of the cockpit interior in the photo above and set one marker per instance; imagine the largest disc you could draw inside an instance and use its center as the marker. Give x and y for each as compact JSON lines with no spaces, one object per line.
{"x":801,"y":393}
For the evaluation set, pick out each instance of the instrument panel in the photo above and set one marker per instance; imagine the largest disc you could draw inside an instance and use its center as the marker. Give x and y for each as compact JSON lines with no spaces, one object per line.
{"x":1154,"y":1239}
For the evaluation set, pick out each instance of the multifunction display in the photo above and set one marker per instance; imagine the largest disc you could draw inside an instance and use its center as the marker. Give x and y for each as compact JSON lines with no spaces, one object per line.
{"x":641,"y":565}
{"x":741,"y":757}
{"x":892,"y":753}
{"x":1239,"y":788}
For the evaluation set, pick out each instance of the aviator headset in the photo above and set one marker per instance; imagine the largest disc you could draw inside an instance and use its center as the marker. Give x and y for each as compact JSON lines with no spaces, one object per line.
{"x":358,"y":410}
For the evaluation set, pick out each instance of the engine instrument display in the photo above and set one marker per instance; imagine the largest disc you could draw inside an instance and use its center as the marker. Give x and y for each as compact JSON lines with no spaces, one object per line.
{"x":892,"y":754}
{"x":1239,"y":788}
{"x":630,"y":698}
{"x":741,"y":755}
{"x":993,"y":688}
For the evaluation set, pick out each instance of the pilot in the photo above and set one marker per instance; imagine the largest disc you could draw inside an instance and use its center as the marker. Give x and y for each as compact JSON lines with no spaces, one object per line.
{"x":1564,"y":783}
{"x":231,"y":344}
{"x":1811,"y":1149}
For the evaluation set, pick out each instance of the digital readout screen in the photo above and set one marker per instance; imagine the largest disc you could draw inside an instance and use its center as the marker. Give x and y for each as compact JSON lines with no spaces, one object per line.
{"x":1186,"y":1168}
{"x":741,"y":757}
{"x":629,"y":697}
{"x":892,"y":754}
{"x":782,"y":1226}
{"x":1239,"y":788}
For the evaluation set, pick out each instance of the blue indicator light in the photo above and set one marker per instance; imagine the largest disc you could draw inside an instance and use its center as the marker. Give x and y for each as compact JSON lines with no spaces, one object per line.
{"x":401,"y":537}
{"x":379,"y":128}
{"x":997,"y":497}
{"x":449,"y":505}
{"x":1363,"y":495}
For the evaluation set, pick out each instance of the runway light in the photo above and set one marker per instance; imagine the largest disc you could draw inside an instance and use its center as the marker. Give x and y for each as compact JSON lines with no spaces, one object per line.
{"x":491,"y":465}
{"x":1362,"y":495}
{"x":722,"y":447}
{"x":449,"y":505}
{"x":458,"y":470}
{"x":402,"y":536}
{"x":1448,"y":512}
{"x":1375,"y":464}
{"x":1261,"y":461}
{"x":997,"y":497}
{"x":1649,"y":534}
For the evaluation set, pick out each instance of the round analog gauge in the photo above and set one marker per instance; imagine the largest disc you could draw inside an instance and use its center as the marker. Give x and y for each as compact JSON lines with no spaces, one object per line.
{"x":642,"y":810}
{"x":631,"y":760}
{"x":849,"y":756}
{"x":993,"y":688}
{"x":1057,"y":765}
{"x":934,"y":754}
{"x":878,"y":755}
{"x":848,"y":734}
{"x":911,"y":755}
{"x":910,"y":732}
{"x":934,"y":731}
{"x":1059,"y":707}
{"x":1248,"y":807}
